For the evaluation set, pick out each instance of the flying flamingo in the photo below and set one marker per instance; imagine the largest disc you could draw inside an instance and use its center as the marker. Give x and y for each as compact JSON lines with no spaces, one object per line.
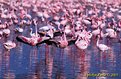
{"x":33,"y":40}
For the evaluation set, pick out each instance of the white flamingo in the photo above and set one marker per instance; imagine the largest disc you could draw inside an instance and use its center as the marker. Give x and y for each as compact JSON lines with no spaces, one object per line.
{"x":81,"y":43}
{"x":49,"y":30}
{"x":86,"y":21}
{"x":19,"y":30}
{"x":9,"y":45}
{"x":96,"y":31}
{"x":6,"y":32}
{"x":111,"y":33}
{"x":101,"y":47}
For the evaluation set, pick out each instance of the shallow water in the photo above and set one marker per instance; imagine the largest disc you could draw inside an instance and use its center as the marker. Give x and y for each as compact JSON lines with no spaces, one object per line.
{"x":49,"y":62}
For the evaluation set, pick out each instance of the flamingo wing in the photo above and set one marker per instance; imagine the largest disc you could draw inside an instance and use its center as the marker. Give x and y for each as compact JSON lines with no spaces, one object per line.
{"x":41,"y":33}
{"x":40,"y":41}
{"x":53,"y":42}
{"x":23,"y":39}
{"x":58,"y":33}
{"x":48,"y":42}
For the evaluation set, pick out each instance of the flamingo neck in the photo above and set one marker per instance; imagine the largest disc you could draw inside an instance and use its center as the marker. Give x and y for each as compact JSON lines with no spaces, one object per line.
{"x":31,"y":32}
{"x":64,"y":37}
{"x":78,"y":38}
{"x":36,"y":30}
{"x":98,"y":41}
{"x":51,"y":30}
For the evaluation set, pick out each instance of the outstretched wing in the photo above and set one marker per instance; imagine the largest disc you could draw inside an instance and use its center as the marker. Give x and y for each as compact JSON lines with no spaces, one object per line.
{"x":42,"y":33}
{"x":58,"y":33}
{"x":49,"y":42}
{"x":23,"y":39}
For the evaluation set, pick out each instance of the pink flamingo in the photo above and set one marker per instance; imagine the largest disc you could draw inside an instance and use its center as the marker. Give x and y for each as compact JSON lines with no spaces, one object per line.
{"x":81,"y":44}
{"x":6,"y":32}
{"x":68,"y":30}
{"x":119,"y":23}
{"x":61,"y":43}
{"x":83,"y":40}
{"x":94,"y":25}
{"x":33,"y":40}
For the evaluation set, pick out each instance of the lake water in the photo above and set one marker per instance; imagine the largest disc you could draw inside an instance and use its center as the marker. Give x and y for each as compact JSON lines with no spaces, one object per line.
{"x":49,"y":62}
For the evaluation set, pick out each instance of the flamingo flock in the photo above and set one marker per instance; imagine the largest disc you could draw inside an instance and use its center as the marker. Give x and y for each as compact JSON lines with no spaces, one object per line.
{"x":61,"y":26}
{"x":60,"y":23}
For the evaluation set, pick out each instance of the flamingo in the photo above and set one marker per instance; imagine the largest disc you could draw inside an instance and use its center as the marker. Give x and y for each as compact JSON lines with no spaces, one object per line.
{"x":3,"y":15}
{"x":49,"y":30}
{"x":28,"y":16}
{"x":61,"y":43}
{"x":2,"y":26}
{"x":94,"y":25}
{"x":109,"y":14}
{"x":46,"y":15}
{"x":113,"y":9}
{"x":119,"y":23}
{"x":111,"y":33}
{"x":96,"y":31}
{"x":6,"y":32}
{"x":87,"y":21}
{"x":9,"y":45}
{"x":101,"y":47}
{"x":119,"y":17}
{"x":102,"y":25}
{"x":33,"y":40}
{"x":19,"y":30}
{"x":55,"y":34}
{"x":81,"y":44}
{"x":68,"y":30}
{"x":46,"y":28}
{"x":40,"y":15}
{"x":78,"y":25}
{"x":15,"y":21}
